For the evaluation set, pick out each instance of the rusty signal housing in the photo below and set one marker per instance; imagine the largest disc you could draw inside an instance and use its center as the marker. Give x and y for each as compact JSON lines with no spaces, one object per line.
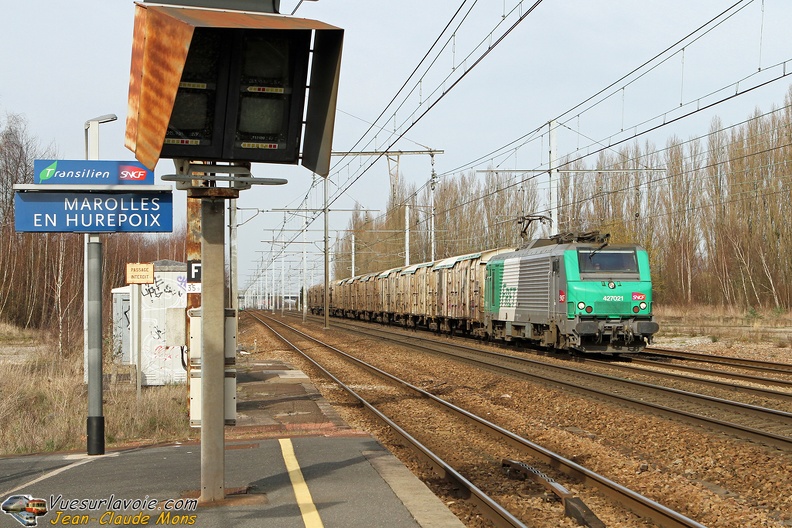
{"x":162,"y":41}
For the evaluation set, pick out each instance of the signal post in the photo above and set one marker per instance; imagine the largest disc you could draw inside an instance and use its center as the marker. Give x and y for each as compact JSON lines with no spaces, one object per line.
{"x":217,"y":85}
{"x":212,"y":338}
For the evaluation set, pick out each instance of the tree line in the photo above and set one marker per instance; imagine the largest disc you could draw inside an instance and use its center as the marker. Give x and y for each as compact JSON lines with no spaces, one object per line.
{"x":712,"y":211}
{"x":41,"y":274}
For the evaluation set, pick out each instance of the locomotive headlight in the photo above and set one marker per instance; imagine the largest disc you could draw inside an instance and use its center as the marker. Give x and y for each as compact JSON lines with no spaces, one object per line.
{"x":581,"y":305}
{"x":642,"y":306}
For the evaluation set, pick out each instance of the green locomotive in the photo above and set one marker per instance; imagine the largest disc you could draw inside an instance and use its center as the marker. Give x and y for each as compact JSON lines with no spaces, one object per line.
{"x":571,"y":293}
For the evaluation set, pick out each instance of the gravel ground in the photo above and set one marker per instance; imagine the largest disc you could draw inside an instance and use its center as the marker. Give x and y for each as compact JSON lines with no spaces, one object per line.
{"x":717,"y":480}
{"x":763,"y":351}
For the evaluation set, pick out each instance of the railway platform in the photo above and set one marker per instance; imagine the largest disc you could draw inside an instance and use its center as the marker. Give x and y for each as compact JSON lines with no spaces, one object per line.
{"x":290,"y":462}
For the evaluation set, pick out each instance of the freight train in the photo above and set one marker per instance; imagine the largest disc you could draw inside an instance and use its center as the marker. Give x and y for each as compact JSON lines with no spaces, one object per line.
{"x":566,"y":292}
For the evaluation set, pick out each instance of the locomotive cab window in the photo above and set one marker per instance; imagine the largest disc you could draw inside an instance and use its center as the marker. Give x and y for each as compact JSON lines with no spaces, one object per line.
{"x":610,"y":262}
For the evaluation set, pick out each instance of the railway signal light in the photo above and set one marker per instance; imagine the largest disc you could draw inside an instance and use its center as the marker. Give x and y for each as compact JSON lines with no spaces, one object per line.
{"x":225,"y":85}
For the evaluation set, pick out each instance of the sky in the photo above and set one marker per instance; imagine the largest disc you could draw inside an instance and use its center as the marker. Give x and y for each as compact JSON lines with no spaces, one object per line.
{"x":65,"y":63}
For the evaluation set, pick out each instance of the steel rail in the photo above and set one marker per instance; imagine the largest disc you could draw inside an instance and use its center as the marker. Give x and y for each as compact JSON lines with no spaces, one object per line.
{"x":739,"y":430}
{"x":755,"y":364}
{"x":496,"y":513}
{"x":635,"y":502}
{"x":628,"y":360}
{"x":628,"y":366}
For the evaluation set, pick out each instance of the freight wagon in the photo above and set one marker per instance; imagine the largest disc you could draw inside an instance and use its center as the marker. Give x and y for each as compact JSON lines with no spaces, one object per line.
{"x":563,"y":292}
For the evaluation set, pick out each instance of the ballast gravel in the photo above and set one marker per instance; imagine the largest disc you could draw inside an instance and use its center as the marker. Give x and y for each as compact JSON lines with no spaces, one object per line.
{"x":712,"y":478}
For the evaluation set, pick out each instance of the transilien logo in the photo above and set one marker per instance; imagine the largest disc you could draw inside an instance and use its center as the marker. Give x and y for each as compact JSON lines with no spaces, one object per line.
{"x":48,"y":172}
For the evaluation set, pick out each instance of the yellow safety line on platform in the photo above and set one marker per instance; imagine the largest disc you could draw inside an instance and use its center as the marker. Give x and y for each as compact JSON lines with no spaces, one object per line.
{"x":304,"y":500}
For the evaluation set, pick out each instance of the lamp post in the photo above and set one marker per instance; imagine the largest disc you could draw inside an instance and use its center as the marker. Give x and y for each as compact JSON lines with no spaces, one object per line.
{"x":92,"y":309}
{"x":92,"y":134}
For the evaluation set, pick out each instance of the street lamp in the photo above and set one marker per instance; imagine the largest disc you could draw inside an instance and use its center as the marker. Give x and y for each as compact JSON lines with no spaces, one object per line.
{"x":299,"y":4}
{"x":92,"y":309}
{"x":92,"y":134}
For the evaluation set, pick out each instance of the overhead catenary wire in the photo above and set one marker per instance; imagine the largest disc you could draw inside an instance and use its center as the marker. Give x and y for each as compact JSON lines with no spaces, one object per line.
{"x":420,"y":116}
{"x":395,"y":97}
{"x":655,"y":180}
{"x":636,"y":135}
{"x":577,"y":106}
{"x":514,"y":145}
{"x":522,"y":17}
{"x":578,"y":109}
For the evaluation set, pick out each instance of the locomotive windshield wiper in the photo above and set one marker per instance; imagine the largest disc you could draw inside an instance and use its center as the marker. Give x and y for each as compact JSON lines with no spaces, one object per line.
{"x":591,"y":255}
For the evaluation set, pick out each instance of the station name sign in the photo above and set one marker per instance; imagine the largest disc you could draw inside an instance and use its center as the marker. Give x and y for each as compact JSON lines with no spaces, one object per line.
{"x":92,"y":196}
{"x":91,"y":172}
{"x":132,"y":212}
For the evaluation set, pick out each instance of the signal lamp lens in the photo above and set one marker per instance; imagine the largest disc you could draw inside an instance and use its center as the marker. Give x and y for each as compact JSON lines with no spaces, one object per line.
{"x":643,"y":306}
{"x":588,"y":309}
{"x":581,"y":305}
{"x":635,"y":309}
{"x":261,"y":116}
{"x":191,"y":111}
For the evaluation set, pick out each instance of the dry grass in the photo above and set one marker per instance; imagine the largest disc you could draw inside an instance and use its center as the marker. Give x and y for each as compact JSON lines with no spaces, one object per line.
{"x":720,"y":324}
{"x":161,"y":415}
{"x":43,"y":404}
{"x":43,"y":400}
{"x":14,"y":335}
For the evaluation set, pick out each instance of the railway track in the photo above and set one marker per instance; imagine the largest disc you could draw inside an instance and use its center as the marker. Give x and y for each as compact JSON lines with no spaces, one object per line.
{"x":755,"y":390}
{"x":765,"y":368}
{"x":380,"y":400}
{"x":736,"y":376}
{"x":767,"y":426}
